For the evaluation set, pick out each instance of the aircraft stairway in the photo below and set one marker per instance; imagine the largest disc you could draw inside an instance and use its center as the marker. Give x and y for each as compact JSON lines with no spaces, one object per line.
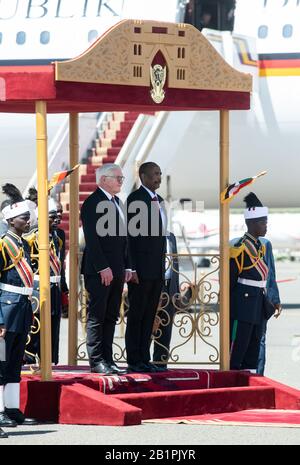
{"x":112,"y":135}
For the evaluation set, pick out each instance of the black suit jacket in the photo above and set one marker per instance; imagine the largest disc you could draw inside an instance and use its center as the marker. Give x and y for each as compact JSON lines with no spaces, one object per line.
{"x":103,"y":251}
{"x":147,"y":251}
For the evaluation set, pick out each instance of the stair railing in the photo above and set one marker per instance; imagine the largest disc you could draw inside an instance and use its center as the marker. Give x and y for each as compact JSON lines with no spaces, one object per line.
{"x":58,"y":151}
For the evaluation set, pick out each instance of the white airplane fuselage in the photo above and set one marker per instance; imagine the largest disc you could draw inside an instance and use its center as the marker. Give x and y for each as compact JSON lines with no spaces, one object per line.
{"x":268,"y":136}
{"x":265,"y":138}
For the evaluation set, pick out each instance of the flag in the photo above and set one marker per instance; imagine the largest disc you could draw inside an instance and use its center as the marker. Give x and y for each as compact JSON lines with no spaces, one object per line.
{"x":231,"y":191}
{"x":60,"y":176}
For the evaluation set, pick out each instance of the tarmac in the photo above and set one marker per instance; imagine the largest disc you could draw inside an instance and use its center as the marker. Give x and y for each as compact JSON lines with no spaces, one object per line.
{"x":283,"y":365}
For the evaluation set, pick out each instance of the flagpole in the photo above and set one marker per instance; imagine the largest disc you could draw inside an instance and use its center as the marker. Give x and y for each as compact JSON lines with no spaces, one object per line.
{"x":224,"y":243}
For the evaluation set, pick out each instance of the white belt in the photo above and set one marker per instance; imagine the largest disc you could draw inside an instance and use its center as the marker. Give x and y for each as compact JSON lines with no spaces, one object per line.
{"x":252,"y":282}
{"x":53,"y":279}
{"x":16,"y":289}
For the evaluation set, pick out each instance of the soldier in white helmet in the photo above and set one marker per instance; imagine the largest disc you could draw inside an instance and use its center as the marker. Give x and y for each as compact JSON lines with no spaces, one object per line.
{"x":248,"y":281}
{"x":16,"y":285}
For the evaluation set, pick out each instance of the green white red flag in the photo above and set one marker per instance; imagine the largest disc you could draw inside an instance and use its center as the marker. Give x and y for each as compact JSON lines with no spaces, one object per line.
{"x":233,"y":189}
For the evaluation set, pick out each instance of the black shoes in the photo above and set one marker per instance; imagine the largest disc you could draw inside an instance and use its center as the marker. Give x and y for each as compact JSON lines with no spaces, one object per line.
{"x":108,"y":368}
{"x":145,"y":368}
{"x":160,"y":368}
{"x":102,"y":368}
{"x":3,"y":434}
{"x":115,"y":369}
{"x":149,"y":368}
{"x":6,"y":421}
{"x":19,"y":418}
{"x":137,"y":368}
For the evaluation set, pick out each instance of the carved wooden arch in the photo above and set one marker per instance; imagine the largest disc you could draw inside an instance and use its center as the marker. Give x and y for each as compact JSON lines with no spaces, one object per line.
{"x":111,"y":59}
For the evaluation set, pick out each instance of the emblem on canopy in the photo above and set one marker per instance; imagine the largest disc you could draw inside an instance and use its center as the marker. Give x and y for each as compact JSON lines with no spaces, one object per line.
{"x":158,"y":76}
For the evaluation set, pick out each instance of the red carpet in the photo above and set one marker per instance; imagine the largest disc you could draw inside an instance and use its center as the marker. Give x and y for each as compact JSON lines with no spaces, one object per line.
{"x":76,"y":396}
{"x":256,"y":417}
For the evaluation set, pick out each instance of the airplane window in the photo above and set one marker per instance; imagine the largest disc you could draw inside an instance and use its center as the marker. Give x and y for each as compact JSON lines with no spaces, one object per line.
{"x":262,"y":32}
{"x":93,"y":34}
{"x":214,"y":14}
{"x":45,"y":37}
{"x":21,"y":38}
{"x":287,"y":31}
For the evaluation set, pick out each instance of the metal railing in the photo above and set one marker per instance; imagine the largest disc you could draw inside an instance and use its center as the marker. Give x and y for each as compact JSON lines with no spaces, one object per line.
{"x":192,"y":312}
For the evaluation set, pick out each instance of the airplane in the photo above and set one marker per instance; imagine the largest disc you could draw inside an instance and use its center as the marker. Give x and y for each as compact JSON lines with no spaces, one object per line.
{"x":263,"y":40}
{"x":38,"y":32}
{"x":199,"y":230}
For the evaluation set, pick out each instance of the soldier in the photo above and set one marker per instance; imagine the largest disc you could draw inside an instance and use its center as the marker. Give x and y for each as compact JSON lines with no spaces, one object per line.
{"x":64,"y":287}
{"x":2,"y":359}
{"x":16,"y":283}
{"x":248,"y":280}
{"x":33,"y":348}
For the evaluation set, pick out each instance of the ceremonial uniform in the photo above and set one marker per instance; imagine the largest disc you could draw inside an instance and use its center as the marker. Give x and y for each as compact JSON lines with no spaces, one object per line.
{"x":16,"y":283}
{"x":16,"y":286}
{"x":248,"y":278}
{"x":33,"y":348}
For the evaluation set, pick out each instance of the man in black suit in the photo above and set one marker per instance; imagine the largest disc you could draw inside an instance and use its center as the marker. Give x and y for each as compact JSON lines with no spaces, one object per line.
{"x":105,"y":265}
{"x":147,"y":245}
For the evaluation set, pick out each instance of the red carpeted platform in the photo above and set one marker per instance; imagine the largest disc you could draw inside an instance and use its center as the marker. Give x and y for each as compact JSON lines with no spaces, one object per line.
{"x":76,"y":396}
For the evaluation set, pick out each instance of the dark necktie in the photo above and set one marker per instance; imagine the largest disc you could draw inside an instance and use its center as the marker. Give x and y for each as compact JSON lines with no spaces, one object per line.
{"x":155,"y":199}
{"x":120,"y":214}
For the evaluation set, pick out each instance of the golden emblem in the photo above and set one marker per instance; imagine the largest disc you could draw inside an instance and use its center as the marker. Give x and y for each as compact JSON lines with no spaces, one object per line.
{"x":158,"y":76}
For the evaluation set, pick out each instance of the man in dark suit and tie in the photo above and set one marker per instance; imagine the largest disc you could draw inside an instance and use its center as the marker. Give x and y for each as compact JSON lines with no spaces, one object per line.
{"x":105,"y":265}
{"x":147,"y":245}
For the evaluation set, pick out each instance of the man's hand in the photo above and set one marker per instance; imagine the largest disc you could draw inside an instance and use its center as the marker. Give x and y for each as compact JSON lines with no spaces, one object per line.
{"x":106,"y":277}
{"x":2,"y":331}
{"x":135,"y":278}
{"x":128,"y":275}
{"x":278,"y":310}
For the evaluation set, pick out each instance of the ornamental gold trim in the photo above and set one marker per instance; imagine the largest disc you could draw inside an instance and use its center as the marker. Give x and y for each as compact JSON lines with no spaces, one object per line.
{"x":124,"y":54}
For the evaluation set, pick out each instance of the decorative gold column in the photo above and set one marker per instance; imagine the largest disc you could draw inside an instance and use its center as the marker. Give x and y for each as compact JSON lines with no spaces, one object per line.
{"x":74,"y":233}
{"x":43,"y":225}
{"x":224,"y":243}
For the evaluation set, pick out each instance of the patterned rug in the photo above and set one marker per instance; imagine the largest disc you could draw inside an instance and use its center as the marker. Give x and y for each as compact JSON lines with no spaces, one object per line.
{"x":255,"y":417}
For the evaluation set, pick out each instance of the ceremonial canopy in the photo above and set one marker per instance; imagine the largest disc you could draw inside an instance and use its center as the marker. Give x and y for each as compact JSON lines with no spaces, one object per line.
{"x":136,"y":65}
